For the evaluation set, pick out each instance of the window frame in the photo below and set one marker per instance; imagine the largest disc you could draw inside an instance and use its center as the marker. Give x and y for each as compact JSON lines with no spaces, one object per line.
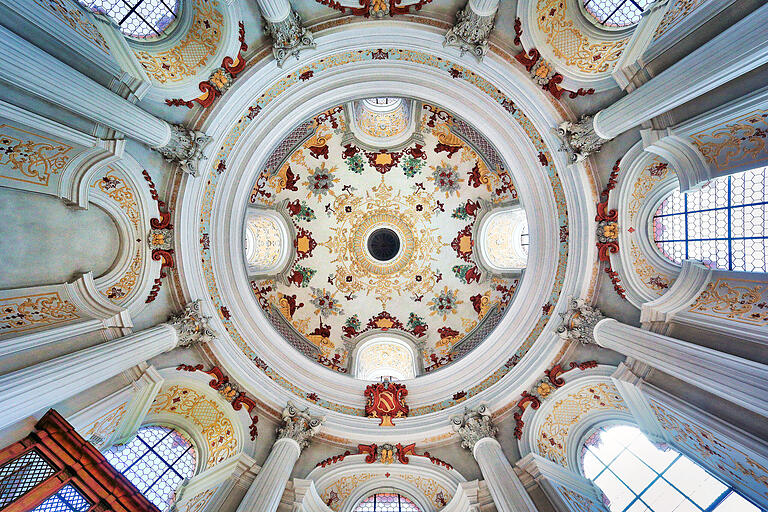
{"x":162,"y":35}
{"x":606,"y":466}
{"x":601,"y":24}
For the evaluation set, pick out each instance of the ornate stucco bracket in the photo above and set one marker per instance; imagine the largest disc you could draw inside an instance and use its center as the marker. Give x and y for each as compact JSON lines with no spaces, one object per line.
{"x":579,"y":139}
{"x":472,"y":28}
{"x":192,"y":326}
{"x":579,"y":322}
{"x":185,"y":148}
{"x":299,"y":425}
{"x":289,"y":37}
{"x":474,"y":425}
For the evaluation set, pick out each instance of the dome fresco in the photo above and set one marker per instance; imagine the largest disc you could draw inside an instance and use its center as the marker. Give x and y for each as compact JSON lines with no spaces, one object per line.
{"x":385,"y":239}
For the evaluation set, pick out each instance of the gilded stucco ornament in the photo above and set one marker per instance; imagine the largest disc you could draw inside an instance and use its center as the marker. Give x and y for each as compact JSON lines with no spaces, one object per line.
{"x":579,"y":139}
{"x":470,"y":32}
{"x":185,"y":148}
{"x":289,"y":37}
{"x":579,"y":321}
{"x":192,"y":326}
{"x":474,"y":425}
{"x":299,"y":425}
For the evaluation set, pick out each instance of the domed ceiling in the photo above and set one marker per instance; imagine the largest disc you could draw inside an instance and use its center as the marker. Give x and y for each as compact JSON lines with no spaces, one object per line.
{"x":383,"y":240}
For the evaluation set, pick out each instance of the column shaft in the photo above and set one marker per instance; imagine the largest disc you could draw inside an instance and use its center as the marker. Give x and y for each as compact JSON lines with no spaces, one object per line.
{"x":740,"y":49}
{"x":274,"y":10}
{"x":268,"y":487}
{"x":507,"y":490}
{"x":24,"y":65}
{"x":732,"y":378}
{"x":43,"y":385}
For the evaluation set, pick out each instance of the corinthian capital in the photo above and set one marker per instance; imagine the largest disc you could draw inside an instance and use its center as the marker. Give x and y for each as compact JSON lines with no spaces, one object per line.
{"x":185,"y":148}
{"x":579,"y":139}
{"x":192,"y":326}
{"x":299,"y":425}
{"x":472,"y":28}
{"x":289,"y":37}
{"x":474,"y":425}
{"x":579,"y":321}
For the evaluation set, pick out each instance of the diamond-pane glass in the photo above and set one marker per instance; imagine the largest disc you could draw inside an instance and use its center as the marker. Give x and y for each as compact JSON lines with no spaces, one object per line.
{"x":20,"y":475}
{"x":68,"y":499}
{"x":140,"y":19}
{"x":387,"y":502}
{"x":616,"y":13}
{"x":155,"y":461}
{"x":638,"y":476}
{"x":724,"y":223}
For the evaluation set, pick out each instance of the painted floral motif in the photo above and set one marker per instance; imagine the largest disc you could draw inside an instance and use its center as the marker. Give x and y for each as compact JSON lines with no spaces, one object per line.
{"x":446,"y":178}
{"x":321,"y":181}
{"x":355,"y":163}
{"x":412,"y":166}
{"x":301,"y":276}
{"x":300,"y":210}
{"x":467,"y":273}
{"x":416,"y":325}
{"x":445,"y":303}
{"x":325,"y":302}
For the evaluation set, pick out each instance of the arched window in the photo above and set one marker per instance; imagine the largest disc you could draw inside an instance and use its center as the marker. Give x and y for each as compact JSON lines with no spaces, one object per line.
{"x":387,"y":502}
{"x":616,"y":13}
{"x":156,"y":461}
{"x":637,"y":476}
{"x":266,"y":242}
{"x":504,"y":240}
{"x":724,"y":223}
{"x":385,"y":357}
{"x":140,"y":19}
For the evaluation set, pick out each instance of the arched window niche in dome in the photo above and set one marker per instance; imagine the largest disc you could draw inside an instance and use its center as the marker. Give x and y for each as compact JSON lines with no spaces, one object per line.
{"x":723,"y":224}
{"x":387,"y":501}
{"x":382,"y":121}
{"x":385,"y":356}
{"x":158,"y":460}
{"x":140,"y":20}
{"x":266,"y":242}
{"x":503,"y":240}
{"x":635,"y":474}
{"x":614,"y":14}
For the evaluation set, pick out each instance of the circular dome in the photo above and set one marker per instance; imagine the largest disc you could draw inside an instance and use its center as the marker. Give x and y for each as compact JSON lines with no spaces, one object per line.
{"x":385,"y":239}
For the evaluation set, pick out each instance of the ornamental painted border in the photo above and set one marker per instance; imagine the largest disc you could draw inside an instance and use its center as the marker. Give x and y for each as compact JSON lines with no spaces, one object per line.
{"x":307,"y":72}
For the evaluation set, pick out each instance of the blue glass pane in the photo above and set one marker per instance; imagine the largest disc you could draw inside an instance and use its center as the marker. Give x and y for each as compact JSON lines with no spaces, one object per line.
{"x":724,"y":224}
{"x":68,"y":499}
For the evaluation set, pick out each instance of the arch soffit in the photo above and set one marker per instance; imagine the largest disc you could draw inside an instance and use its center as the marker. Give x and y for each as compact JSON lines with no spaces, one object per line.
{"x":402,"y":477}
{"x":586,"y":418}
{"x":568,"y":18}
{"x":645,"y":179}
{"x":198,"y":382}
{"x":273,"y":124}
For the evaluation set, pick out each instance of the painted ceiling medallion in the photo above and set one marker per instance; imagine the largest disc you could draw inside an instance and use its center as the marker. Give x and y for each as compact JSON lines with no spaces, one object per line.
{"x":410,"y":272}
{"x":418,"y":204}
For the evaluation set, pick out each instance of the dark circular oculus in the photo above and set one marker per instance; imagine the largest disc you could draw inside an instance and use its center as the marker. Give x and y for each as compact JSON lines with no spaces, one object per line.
{"x":383,"y":244}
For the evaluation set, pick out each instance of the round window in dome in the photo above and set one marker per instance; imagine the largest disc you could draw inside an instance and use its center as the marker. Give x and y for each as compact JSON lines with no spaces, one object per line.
{"x":615,"y":14}
{"x":139,"y":19}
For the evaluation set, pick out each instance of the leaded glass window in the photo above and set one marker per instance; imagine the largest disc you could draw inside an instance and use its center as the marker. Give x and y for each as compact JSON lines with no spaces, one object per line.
{"x":638,"y":476}
{"x":155,"y":461}
{"x":616,"y":13}
{"x":387,"y":502}
{"x":140,"y":19}
{"x":724,"y":224}
{"x":67,"y":499}
{"x":21,"y":475}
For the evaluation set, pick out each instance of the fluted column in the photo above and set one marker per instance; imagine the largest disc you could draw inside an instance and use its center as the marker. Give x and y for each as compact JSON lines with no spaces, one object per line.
{"x":43,"y":385}
{"x":29,"y":68}
{"x":289,"y":36}
{"x":268,"y":487}
{"x":473,"y":26}
{"x":478,"y":434}
{"x":732,"y":378}
{"x":741,"y":48}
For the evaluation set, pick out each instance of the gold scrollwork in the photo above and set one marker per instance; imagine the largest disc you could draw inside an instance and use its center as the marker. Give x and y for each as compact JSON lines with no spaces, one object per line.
{"x":192,"y":52}
{"x":568,"y":43}
{"x":726,"y":299}
{"x":28,"y":312}
{"x":33,"y":159}
{"x":77,"y":20}
{"x":736,"y":141}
